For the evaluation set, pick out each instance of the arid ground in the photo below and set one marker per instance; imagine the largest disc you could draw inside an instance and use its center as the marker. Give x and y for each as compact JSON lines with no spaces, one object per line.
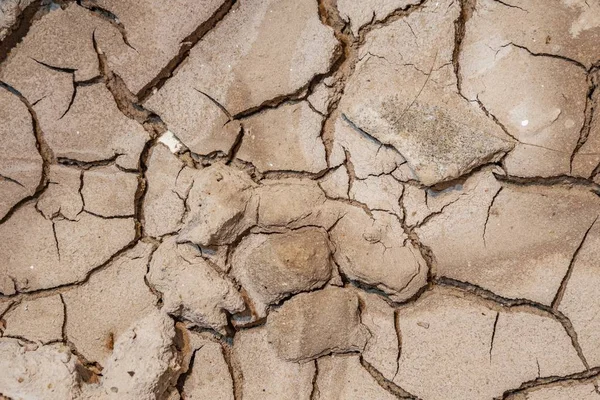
{"x":300,"y":199}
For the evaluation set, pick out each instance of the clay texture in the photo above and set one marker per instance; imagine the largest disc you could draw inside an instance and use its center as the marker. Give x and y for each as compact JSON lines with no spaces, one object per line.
{"x":300,"y":199}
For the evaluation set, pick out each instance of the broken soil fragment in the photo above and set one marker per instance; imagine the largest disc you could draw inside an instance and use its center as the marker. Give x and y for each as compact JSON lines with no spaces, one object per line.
{"x":20,"y":162}
{"x":274,"y":266}
{"x":300,"y":329}
{"x":209,"y":376}
{"x":296,"y":147}
{"x":499,"y":237}
{"x":164,"y":203}
{"x":343,"y":377}
{"x":402,"y":95}
{"x":221,"y":206}
{"x":46,"y":372}
{"x":39,"y":320}
{"x":238,"y":54}
{"x":369,"y":250}
{"x":147,"y":349}
{"x":501,"y":349}
{"x":271,"y":200}
{"x":266,"y":374}
{"x":191,"y":288}
{"x":153,"y":29}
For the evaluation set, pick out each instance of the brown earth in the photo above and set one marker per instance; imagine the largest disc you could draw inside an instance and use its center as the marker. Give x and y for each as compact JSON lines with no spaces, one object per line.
{"x":261,"y":199}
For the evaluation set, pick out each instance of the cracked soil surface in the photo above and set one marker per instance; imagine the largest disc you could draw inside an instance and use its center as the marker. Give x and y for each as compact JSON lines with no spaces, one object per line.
{"x":300,"y":199}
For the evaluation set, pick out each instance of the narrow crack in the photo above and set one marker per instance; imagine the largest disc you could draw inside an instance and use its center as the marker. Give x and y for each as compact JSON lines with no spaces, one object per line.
{"x":398,"y":339}
{"x":494,"y":335}
{"x":494,"y":118}
{"x":107,"y":15}
{"x":565,"y":281}
{"x":341,"y":70}
{"x":86,"y":165}
{"x":489,"y":296}
{"x":315,"y":394}
{"x":425,"y":251}
{"x":467,"y":7}
{"x":386,"y":384}
{"x":487,"y":218}
{"x":184,"y":50}
{"x":55,"y":239}
{"x":8,"y":178}
{"x":153,"y":290}
{"x":549,"y":55}
{"x":43,"y":149}
{"x":108,"y":217}
{"x":71,"y":100}
{"x":369,"y":136}
{"x":351,"y":173}
{"x":234,"y":371}
{"x":390,"y":18}
{"x":435,"y":213}
{"x":27,"y":17}
{"x":588,"y":115}
{"x":64,"y":322}
{"x":235,"y":147}
{"x":561,"y":180}
{"x":70,"y":71}
{"x":510,"y":5}
{"x":587,"y":376}
{"x":215,"y":102}
{"x":183,"y":377}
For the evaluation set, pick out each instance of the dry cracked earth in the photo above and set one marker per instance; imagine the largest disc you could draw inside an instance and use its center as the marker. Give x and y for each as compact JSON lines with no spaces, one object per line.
{"x":300,"y":199}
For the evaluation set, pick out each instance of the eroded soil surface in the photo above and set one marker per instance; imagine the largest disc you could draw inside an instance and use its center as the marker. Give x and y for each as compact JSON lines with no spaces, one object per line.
{"x":300,"y":199}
